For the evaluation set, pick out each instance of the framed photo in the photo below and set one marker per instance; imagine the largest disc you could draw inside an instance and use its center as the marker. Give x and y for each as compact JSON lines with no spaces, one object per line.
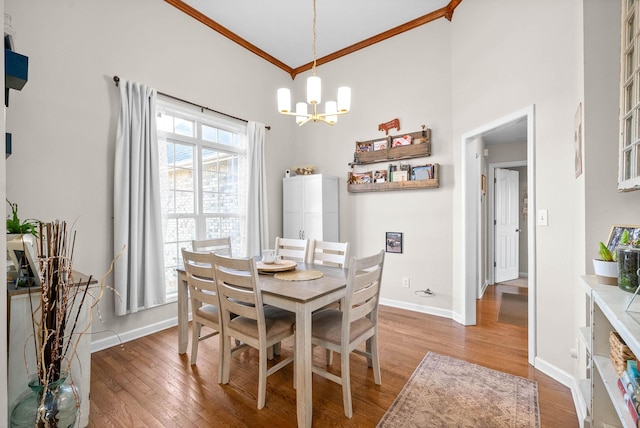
{"x":380,"y":145}
{"x":616,"y":234}
{"x":394,"y":242}
{"x":364,"y":147}
{"x":405,"y":140}
{"x":23,"y":255}
{"x":422,"y":172}
{"x":361,"y":177}
{"x":484,"y":184}
{"x":380,"y":176}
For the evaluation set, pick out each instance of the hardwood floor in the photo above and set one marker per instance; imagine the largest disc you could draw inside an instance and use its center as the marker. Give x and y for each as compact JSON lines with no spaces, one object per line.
{"x":146,"y":383}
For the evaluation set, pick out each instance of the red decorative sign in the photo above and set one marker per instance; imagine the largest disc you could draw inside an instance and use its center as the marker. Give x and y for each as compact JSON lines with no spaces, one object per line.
{"x":395,"y":123}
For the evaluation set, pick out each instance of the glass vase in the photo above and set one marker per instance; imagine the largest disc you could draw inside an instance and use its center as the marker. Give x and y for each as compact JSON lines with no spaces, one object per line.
{"x":53,"y":407}
{"x":628,"y":264}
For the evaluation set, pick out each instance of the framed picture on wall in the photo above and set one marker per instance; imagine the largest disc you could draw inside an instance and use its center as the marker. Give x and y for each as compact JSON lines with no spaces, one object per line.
{"x":616,"y":234}
{"x":394,"y":242}
{"x":577,"y":140}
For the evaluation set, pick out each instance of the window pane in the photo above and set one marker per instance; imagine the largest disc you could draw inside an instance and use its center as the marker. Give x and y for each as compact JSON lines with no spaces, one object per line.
{"x":185,"y":202}
{"x":171,"y":230}
{"x":628,"y":128}
{"x":184,"y":127}
{"x":183,"y":156}
{"x":210,"y":203}
{"x":164,"y":122}
{"x":629,"y":95}
{"x":627,"y":165}
{"x":226,"y":137}
{"x":212,"y":225}
{"x":209,"y":133}
{"x":186,"y":231}
{"x":184,"y":179}
{"x":171,"y":255}
{"x":209,"y":170}
{"x":631,"y":28}
{"x":631,"y":63}
{"x":171,"y":280}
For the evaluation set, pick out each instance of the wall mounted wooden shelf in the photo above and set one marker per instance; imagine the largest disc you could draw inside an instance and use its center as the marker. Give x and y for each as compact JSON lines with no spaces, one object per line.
{"x":431,"y":183}
{"x":421,"y":147}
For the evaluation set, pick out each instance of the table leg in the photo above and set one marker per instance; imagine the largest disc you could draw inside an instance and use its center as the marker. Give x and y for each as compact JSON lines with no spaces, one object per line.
{"x":183,"y":313}
{"x":303,"y":366}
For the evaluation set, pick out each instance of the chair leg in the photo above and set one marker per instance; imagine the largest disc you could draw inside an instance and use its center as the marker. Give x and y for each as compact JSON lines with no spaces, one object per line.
{"x":372,"y":349}
{"x":270,"y":353}
{"x":346,"y":383}
{"x":226,"y":359}
{"x":276,"y":349}
{"x":329,"y":357}
{"x":220,"y":355}
{"x":195,"y":338}
{"x":262,"y":379}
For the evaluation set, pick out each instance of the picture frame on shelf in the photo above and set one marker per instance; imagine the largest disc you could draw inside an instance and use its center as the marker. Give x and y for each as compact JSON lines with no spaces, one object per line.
{"x":380,"y":145}
{"x":361,"y":177}
{"x":404,"y":140}
{"x":393,"y":242}
{"x":616,"y":234}
{"x":364,"y":147}
{"x":422,"y":172}
{"x":380,"y":176}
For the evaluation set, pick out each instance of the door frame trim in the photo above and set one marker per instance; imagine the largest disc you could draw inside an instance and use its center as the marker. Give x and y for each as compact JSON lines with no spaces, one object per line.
{"x":466,"y":293}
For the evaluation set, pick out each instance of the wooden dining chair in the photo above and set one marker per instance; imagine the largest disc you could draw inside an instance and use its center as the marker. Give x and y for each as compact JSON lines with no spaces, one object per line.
{"x":245,"y":318}
{"x":344,"y":330}
{"x":329,"y":253}
{"x":204,"y":300}
{"x":292,"y":249}
{"x":216,"y":245}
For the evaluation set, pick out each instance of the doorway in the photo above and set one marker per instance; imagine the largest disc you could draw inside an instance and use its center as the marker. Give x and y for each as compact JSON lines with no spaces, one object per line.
{"x":476,"y":241}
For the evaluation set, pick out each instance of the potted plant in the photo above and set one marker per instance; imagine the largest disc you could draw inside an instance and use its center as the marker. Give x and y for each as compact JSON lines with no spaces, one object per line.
{"x":628,"y":257}
{"x":17,"y":227}
{"x":606,"y":267}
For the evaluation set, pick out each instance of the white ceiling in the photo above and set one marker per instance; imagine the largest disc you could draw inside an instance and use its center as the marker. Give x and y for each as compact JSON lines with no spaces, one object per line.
{"x":284,"y":28}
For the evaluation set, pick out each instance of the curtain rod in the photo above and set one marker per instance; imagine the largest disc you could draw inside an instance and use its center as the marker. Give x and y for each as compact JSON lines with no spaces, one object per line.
{"x":116,"y":79}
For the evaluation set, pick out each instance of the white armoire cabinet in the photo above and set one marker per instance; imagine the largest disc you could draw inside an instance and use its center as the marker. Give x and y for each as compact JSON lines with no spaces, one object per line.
{"x":310,"y":207}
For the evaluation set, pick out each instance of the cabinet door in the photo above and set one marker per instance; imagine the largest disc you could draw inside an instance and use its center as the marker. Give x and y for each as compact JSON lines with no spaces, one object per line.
{"x":291,"y":208}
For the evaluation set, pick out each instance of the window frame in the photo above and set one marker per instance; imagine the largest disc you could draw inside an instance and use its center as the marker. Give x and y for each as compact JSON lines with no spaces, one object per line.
{"x":200,"y":118}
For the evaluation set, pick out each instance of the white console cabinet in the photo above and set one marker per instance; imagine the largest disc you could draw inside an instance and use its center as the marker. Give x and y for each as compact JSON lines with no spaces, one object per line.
{"x":607,"y":406}
{"x":310,"y":207}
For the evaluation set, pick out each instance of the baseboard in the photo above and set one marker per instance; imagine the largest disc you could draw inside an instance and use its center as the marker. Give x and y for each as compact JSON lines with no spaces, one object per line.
{"x":116,"y":340}
{"x":483,"y":288}
{"x":559,"y":375}
{"x":417,"y":308}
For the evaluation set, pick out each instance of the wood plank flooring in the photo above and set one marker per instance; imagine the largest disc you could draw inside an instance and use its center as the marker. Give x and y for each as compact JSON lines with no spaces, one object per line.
{"x":146,"y":383}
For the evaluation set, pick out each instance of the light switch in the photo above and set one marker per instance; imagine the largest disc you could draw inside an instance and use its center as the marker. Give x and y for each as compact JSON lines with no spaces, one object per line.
{"x":543,"y":218}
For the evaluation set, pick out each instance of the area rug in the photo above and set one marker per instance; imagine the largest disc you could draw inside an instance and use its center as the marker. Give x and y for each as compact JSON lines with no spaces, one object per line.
{"x":513,"y":309}
{"x":446,"y":392}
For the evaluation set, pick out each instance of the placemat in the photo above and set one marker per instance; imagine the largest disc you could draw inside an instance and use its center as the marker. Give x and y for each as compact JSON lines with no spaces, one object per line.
{"x":299,"y":275}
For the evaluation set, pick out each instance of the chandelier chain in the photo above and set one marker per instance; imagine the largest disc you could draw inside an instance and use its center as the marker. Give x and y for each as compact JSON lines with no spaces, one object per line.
{"x":314,"y":37}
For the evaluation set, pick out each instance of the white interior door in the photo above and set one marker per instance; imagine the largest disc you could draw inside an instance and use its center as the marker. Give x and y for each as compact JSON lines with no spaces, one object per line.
{"x":506,"y":225}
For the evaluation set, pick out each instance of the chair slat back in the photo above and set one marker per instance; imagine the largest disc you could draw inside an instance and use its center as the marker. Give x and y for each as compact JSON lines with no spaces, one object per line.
{"x":292,"y":249}
{"x":199,"y":275}
{"x":238,"y":287}
{"x":329,"y":253}
{"x":216,"y":245}
{"x":363,"y":287}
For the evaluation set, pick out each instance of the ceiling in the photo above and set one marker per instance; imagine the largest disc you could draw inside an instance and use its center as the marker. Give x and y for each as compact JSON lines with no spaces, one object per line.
{"x":281,"y":31}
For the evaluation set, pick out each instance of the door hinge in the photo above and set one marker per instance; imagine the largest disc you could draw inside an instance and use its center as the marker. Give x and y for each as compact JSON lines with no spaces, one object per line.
{"x":494,"y":264}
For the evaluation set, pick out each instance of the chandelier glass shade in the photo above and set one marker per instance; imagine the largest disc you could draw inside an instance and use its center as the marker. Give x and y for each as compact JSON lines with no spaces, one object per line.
{"x":314,"y":93}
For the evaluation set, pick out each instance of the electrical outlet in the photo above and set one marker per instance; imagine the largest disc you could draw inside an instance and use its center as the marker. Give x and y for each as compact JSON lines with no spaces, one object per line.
{"x":406,"y":282}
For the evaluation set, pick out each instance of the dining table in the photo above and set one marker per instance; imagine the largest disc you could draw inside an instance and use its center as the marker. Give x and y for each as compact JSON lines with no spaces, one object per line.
{"x":302,"y":297}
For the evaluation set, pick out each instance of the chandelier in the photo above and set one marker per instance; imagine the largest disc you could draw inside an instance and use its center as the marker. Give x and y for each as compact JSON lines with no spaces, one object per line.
{"x":314,"y":87}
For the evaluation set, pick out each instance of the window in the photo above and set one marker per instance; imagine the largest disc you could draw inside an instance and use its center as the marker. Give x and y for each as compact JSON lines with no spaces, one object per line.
{"x":203,"y":174}
{"x":629,"y":146}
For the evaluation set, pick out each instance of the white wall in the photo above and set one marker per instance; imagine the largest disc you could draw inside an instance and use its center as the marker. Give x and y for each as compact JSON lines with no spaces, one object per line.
{"x":64,"y":120}
{"x":407,"y":77}
{"x":496,"y":57}
{"x":508,"y":55}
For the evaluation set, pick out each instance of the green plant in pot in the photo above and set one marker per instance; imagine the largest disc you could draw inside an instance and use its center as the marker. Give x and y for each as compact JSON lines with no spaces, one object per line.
{"x":605,"y":267}
{"x":16,"y":226}
{"x":628,"y":255}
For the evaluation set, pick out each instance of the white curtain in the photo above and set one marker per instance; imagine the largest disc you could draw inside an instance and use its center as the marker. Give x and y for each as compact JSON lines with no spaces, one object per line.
{"x":139,"y":272}
{"x":257,"y":206}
